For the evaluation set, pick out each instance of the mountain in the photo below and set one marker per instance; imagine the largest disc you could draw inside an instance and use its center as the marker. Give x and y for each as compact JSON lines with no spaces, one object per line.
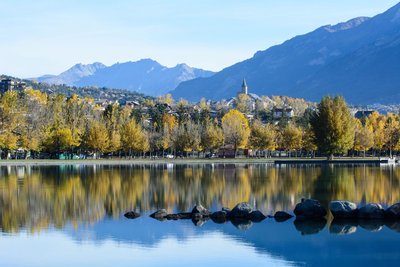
{"x":145,"y":76}
{"x":359,"y":59}
{"x":72,"y":75}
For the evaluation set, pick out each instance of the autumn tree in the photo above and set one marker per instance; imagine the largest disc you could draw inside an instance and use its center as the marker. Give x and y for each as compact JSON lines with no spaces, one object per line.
{"x":263,"y":136}
{"x":364,"y":137}
{"x":291,"y":138}
{"x":133,"y":138}
{"x":333,"y":126}
{"x":212,"y":136}
{"x":236,"y":129}
{"x":97,"y":138}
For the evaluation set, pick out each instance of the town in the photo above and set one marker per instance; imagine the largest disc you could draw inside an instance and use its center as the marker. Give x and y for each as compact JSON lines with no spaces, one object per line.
{"x":43,"y":124}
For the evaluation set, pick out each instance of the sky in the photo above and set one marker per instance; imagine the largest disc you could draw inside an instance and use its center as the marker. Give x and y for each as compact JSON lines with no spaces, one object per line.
{"x":47,"y":37}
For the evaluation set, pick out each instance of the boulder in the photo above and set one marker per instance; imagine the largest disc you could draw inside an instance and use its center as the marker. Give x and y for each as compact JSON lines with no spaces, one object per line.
{"x":393,"y":225}
{"x":242,"y":224}
{"x":343,"y":226}
{"x":309,"y":208}
{"x":310,"y":226}
{"x":199,"y":222}
{"x":371,"y":211}
{"x":219,"y":217}
{"x":132,"y":215}
{"x":256,"y":216}
{"x":372,"y":225}
{"x":281,"y":216}
{"x":185,"y":215}
{"x":343,"y":209}
{"x":199,"y":209}
{"x":393,"y":212}
{"x":172,"y":217}
{"x":160,"y":214}
{"x":241,"y":210}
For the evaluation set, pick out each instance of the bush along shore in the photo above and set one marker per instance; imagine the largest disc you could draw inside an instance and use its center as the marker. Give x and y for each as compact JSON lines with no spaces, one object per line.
{"x":310,"y":216}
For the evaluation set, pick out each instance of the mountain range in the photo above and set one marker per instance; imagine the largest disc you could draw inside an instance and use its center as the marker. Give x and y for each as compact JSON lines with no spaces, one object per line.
{"x":145,"y":76}
{"x":359,"y":59}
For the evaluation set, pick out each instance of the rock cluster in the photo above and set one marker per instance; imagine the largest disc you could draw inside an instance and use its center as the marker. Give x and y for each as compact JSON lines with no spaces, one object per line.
{"x":310,"y":216}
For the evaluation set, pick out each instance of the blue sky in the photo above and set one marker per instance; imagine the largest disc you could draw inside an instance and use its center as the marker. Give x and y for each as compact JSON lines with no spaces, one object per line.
{"x":46,"y":36}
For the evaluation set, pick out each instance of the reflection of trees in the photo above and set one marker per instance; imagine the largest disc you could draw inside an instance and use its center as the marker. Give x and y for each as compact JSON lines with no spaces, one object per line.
{"x":37,"y":197}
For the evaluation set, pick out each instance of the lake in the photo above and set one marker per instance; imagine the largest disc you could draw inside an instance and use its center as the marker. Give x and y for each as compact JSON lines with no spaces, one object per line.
{"x":72,"y":215}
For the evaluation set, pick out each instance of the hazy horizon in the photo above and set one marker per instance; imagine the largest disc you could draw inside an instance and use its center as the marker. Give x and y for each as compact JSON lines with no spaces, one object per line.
{"x":47,"y":37}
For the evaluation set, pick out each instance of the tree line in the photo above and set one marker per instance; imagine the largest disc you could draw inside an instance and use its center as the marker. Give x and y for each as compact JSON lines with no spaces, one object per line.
{"x":39,"y":124}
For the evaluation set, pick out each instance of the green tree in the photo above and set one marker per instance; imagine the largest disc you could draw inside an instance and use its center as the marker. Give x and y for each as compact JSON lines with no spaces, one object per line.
{"x":333,"y":126}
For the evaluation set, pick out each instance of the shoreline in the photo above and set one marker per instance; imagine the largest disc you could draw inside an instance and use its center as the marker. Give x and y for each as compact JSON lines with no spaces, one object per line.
{"x":278,"y":161}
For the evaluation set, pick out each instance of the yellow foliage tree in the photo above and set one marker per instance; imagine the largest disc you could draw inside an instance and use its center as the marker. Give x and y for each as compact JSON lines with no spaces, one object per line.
{"x":236,"y":129}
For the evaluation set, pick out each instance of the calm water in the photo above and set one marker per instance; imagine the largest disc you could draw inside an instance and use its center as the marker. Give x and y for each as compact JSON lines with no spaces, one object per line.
{"x":73,"y":216}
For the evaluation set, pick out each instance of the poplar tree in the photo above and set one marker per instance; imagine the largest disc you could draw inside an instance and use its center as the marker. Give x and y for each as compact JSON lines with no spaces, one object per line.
{"x":333,"y":126}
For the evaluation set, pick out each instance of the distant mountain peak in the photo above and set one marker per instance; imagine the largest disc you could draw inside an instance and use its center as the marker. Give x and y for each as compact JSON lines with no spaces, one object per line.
{"x":145,"y":75}
{"x":343,"y":26}
{"x":358,"y":59}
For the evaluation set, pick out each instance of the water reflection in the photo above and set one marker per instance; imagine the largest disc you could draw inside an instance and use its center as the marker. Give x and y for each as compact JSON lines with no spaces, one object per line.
{"x":36,"y":197}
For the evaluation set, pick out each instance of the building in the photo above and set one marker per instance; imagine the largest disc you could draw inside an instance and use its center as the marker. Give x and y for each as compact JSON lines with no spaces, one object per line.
{"x":10,"y":85}
{"x":244,"y":87}
{"x":278,"y":113}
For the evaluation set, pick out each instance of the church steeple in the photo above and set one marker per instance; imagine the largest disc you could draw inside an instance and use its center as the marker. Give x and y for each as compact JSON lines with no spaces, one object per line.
{"x":244,"y":87}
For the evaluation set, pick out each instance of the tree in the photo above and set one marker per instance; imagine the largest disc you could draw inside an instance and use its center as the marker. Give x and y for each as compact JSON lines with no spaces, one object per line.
{"x":263,"y":137}
{"x":364,"y":137}
{"x":291,"y":137}
{"x":133,"y":139}
{"x":97,"y":137}
{"x":243,"y":103}
{"x":212,"y":136}
{"x":377,"y":123}
{"x":392,"y":133}
{"x":236,"y":129}
{"x":333,"y":126}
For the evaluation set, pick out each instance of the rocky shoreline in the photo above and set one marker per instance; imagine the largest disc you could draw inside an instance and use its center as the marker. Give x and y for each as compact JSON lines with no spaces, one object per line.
{"x":310,"y":216}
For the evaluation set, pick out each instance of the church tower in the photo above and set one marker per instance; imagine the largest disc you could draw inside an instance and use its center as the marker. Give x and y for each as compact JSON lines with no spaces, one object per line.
{"x":244,"y":87}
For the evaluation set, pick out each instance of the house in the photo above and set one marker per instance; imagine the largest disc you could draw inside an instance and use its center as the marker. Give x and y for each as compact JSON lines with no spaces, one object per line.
{"x":10,"y":85}
{"x":278,"y":113}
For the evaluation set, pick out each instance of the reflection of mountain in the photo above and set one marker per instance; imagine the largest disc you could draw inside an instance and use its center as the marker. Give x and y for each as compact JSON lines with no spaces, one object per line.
{"x":280,"y":240}
{"x":35,"y":197}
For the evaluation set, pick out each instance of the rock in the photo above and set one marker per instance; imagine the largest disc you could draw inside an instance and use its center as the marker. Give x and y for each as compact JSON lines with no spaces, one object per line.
{"x":281,"y":216}
{"x":310,"y":226}
{"x":372,"y":225}
{"x":199,"y":222}
{"x":256,"y":216}
{"x":393,"y":225}
{"x":199,"y":209}
{"x":227,"y":210}
{"x":173,"y":217}
{"x":343,"y":226}
{"x":219,"y":217}
{"x":343,"y":209}
{"x":185,"y":215}
{"x":160,"y":214}
{"x":241,"y":210}
{"x":132,"y":215}
{"x":309,"y":208}
{"x":241,"y":224}
{"x":393,"y":212}
{"x":371,"y":211}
